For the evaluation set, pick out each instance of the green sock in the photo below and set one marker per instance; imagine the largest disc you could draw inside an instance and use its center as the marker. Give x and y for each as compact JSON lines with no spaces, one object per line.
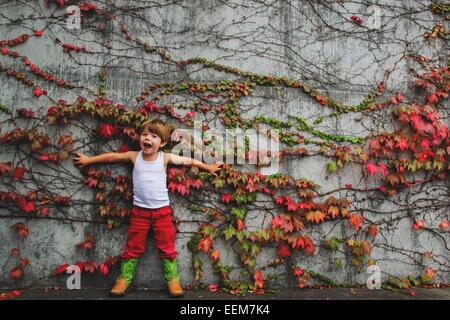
{"x":127,"y":269}
{"x":170,"y":269}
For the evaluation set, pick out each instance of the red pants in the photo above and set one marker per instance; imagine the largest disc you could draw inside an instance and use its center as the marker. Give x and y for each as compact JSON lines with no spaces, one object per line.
{"x":140,"y":222}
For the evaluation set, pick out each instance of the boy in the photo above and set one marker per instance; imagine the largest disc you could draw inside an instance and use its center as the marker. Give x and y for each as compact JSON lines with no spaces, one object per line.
{"x":151,"y":206}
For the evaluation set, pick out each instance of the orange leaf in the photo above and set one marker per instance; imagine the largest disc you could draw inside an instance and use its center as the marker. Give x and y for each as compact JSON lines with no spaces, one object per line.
{"x":315,"y":216}
{"x":333,"y":211}
{"x":215,"y":255}
{"x":205,"y":244}
{"x":259,"y":280}
{"x":356,"y":220}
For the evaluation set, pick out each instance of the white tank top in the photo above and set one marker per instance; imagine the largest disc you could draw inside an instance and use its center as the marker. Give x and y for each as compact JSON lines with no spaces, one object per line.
{"x":149,"y":182}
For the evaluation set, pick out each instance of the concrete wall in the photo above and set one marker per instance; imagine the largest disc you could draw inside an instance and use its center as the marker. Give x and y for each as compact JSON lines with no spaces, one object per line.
{"x":285,"y":38}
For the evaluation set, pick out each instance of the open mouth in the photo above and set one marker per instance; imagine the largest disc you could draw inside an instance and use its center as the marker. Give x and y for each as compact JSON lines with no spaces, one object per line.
{"x":147,"y":145}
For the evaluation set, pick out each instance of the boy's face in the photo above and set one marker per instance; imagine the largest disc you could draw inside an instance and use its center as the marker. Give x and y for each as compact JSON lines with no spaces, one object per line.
{"x":150,"y":142}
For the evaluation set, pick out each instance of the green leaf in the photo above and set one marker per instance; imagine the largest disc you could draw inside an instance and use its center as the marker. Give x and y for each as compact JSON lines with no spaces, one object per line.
{"x":218,"y":183}
{"x":264,"y":234}
{"x":396,"y":283}
{"x":255,"y":249}
{"x":333,"y":243}
{"x":193,"y":243}
{"x":239,"y":212}
{"x":331,"y":166}
{"x":229,"y":233}
{"x":209,"y":231}
{"x":245,"y":245}
{"x":251,"y":262}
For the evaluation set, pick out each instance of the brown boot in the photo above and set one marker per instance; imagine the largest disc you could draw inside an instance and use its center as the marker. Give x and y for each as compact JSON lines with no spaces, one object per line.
{"x":123,"y":282}
{"x":174,"y":287}
{"x":120,"y":288}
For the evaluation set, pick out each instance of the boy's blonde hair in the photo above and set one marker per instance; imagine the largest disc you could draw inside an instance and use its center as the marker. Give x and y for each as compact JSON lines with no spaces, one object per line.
{"x":158,"y":127}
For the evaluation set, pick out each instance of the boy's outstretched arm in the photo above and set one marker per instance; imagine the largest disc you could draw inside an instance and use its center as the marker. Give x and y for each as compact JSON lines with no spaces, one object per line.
{"x":83,"y":160}
{"x":186,"y":161}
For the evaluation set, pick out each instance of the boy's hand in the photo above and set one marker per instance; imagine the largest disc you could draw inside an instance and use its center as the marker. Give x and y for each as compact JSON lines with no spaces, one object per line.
{"x":213,"y":168}
{"x":81,"y":159}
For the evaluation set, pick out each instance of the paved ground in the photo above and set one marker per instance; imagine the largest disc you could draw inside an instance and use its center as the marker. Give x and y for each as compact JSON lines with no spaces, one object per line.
{"x":203,"y":294}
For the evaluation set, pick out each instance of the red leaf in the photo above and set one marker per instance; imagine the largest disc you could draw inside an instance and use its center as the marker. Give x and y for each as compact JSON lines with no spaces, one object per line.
{"x":91,"y":182}
{"x":298,"y":272}
{"x":401,"y":143}
{"x":374,"y":147}
{"x":419,"y":225}
{"x":61,"y":269}
{"x":291,"y":206}
{"x":90,"y":266}
{"x":52,"y":111}
{"x":276,"y":222}
{"x":9,"y":295}
{"x":432,"y":98}
{"x":355,"y":220}
{"x":18,"y":173}
{"x":16,"y":273}
{"x":310,"y":248}
{"x":24,"y":262}
{"x":357,"y":20}
{"x":190,"y":114}
{"x":182,"y":189}
{"x":21,"y":228}
{"x":383,"y":169}
{"x":108,"y":130}
{"x":283,"y":251}
{"x":300,"y":243}
{"x":26,"y":205}
{"x":226,"y":197}
{"x":411,"y":292}
{"x":123,"y":148}
{"x":44,"y":211}
{"x":394,"y":101}
{"x":5,"y":167}
{"x":213,"y":287}
{"x":371,"y":168}
{"x":373,"y":230}
{"x":25,"y":113}
{"x":321,"y":100}
{"x":104,"y":269}
{"x":195,"y":183}
{"x":88,"y":244}
{"x":444,"y":224}
{"x":38,"y":92}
